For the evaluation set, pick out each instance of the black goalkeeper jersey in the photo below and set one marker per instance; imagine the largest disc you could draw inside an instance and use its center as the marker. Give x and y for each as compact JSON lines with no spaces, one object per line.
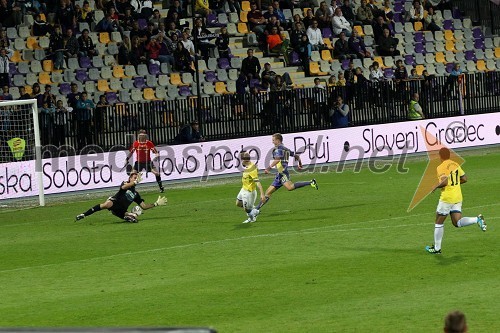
{"x":123,"y":198}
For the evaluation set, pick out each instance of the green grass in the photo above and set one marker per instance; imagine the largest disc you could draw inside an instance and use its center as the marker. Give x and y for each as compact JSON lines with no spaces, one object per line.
{"x":346,"y":258}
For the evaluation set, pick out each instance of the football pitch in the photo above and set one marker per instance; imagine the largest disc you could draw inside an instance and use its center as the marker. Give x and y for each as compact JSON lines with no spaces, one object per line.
{"x":345,"y":258}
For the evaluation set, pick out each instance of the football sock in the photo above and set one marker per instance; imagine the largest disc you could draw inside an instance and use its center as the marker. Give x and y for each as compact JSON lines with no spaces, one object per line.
{"x":466,"y":221}
{"x":438,"y":235}
{"x":262,"y":203}
{"x":158,"y":180}
{"x":301,"y":184}
{"x":92,"y":210}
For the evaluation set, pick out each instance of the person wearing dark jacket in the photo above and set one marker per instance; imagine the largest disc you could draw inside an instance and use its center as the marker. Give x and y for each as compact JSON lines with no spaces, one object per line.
{"x":190,"y":133}
{"x":387,"y":45}
{"x":250,"y":66}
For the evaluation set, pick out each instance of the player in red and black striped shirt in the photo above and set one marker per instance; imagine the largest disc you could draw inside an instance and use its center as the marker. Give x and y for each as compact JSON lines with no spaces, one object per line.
{"x":143,"y":148}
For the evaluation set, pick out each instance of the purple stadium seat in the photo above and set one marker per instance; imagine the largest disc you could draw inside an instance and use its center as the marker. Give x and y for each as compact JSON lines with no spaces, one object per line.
{"x":81,"y":75}
{"x":224,"y":63}
{"x":419,"y":48}
{"x":448,"y":25}
{"x":398,"y":8}
{"x":477,"y":33}
{"x":184,"y":91}
{"x":327,"y":32}
{"x":409,"y":60}
{"x":345,"y":64}
{"x":479,"y":44}
{"x":154,"y":69}
{"x":295,"y":59}
{"x":64,"y":88}
{"x":13,"y":69}
{"x":419,"y":37}
{"x":212,"y":21}
{"x":85,"y":62}
{"x":449,"y":67}
{"x":397,"y":17}
{"x":469,"y":55}
{"x":210,"y":77}
{"x":143,"y":24}
{"x":111,"y":97}
{"x":254,"y":83}
{"x":389,"y":73}
{"x":139,"y":82}
{"x":456,"y":13}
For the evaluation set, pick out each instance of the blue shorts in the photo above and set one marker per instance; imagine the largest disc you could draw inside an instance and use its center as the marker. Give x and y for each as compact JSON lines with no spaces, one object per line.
{"x":280,"y":179}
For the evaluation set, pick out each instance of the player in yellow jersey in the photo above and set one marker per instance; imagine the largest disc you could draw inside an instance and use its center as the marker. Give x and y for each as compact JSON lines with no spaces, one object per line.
{"x":248,"y":194}
{"x":450,"y":176}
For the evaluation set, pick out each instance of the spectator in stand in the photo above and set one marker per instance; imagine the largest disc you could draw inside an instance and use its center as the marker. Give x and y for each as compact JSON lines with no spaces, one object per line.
{"x":278,"y":84}
{"x":172,"y":29}
{"x":83,"y":114}
{"x":332,"y":7}
{"x":388,"y":12}
{"x":315,"y":36}
{"x":357,"y":46}
{"x":378,"y":28}
{"x":56,"y":47}
{"x":323,"y":16}
{"x":319,"y":102}
{"x":308,"y":20}
{"x":183,"y":59}
{"x":85,"y":13}
{"x":66,"y":14}
{"x":273,"y":23}
{"x":416,"y":13}
{"x":139,"y":33}
{"x":190,"y":133}
{"x":156,"y":18}
{"x":332,"y":81}
{"x":45,"y":118}
{"x":40,"y":27}
{"x":100,"y":114}
{"x":414,"y":109}
{"x":340,"y":23}
{"x":127,"y":20}
{"x":376,"y":73}
{"x":270,"y":12}
{"x":175,"y":7}
{"x":350,"y":81}
{"x":341,"y":81}
{"x":6,"y":96}
{"x":137,"y":52}
{"x":23,"y":95}
{"x":160,"y":30}
{"x":150,"y":32}
{"x":304,"y":49}
{"x":71,"y":47}
{"x":250,"y":66}
{"x":166,"y":50}
{"x":364,"y":13}
{"x":256,"y":20}
{"x":296,"y":34}
{"x":276,"y":43}
{"x":105,"y":25}
{"x":48,"y":97}
{"x":86,"y":46}
{"x":348,"y":13}
{"x":217,"y":6}
{"x":73,"y":96}
{"x":222,"y":43}
{"x":341,"y":48}
{"x":188,"y":43}
{"x":387,"y":45}
{"x":452,"y":80}
{"x":5,"y":55}
{"x":433,"y":21}
{"x":280,"y":14}
{"x":10,"y":13}
{"x":203,"y":36}
{"x":144,"y":8}
{"x":153,"y":48}
{"x":202,"y":7}
{"x":124,"y":51}
{"x":60,"y":121}
{"x":269,"y":76}
{"x":339,"y":113}
{"x":37,"y":94}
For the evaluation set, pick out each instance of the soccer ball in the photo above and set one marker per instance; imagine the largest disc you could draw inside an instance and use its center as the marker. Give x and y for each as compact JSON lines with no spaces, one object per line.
{"x":137,"y":210}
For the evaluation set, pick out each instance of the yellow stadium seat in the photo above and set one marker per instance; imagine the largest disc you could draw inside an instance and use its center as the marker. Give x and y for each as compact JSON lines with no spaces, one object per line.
{"x":32,"y":43}
{"x":326,"y":55}
{"x":220,"y":88}
{"x":29,"y":89}
{"x":243,"y":16}
{"x":48,"y":65}
{"x":380,"y":61}
{"x":418,"y":26}
{"x":104,"y":37}
{"x":16,"y":57}
{"x":359,"y":29}
{"x":450,"y":46}
{"x":497,"y":52}
{"x":243,"y":28}
{"x":420,"y":69}
{"x":245,"y":6}
{"x":118,"y":72}
{"x":149,"y":94}
{"x":328,"y":43}
{"x":481,"y":66}
{"x":175,"y":79}
{"x":440,"y":57}
{"x":448,"y":35}
{"x":103,"y":86}
{"x":44,"y":78}
{"x":315,"y":70}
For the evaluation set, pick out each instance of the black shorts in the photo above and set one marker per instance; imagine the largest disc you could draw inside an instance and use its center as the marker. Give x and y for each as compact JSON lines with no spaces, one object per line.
{"x":148,"y":166}
{"x":117,"y":209}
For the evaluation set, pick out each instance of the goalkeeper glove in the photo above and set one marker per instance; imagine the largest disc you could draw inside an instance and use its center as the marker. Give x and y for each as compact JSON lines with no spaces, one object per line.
{"x":139,"y":178}
{"x":161,"y":201}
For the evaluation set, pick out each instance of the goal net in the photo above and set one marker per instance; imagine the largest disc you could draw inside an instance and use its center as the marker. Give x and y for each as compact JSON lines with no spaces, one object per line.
{"x":20,"y":151}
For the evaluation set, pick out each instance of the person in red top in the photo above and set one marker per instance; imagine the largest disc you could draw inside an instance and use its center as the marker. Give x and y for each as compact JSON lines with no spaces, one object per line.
{"x":143,"y":148}
{"x":276,"y":42}
{"x":154,"y":50}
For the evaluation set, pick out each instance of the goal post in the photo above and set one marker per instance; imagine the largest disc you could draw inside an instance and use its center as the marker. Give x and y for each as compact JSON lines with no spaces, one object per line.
{"x":21,"y":147}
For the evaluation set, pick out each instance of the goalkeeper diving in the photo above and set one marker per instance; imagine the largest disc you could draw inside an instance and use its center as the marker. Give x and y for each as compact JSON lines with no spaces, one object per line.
{"x":118,"y":204}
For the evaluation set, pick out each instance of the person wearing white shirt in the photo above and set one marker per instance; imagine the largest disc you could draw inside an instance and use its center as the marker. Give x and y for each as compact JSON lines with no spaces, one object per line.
{"x":188,"y":43}
{"x":340,"y":24}
{"x":376,"y":73}
{"x":315,"y":36}
{"x":5,"y":54}
{"x":332,"y":8}
{"x":416,"y":12}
